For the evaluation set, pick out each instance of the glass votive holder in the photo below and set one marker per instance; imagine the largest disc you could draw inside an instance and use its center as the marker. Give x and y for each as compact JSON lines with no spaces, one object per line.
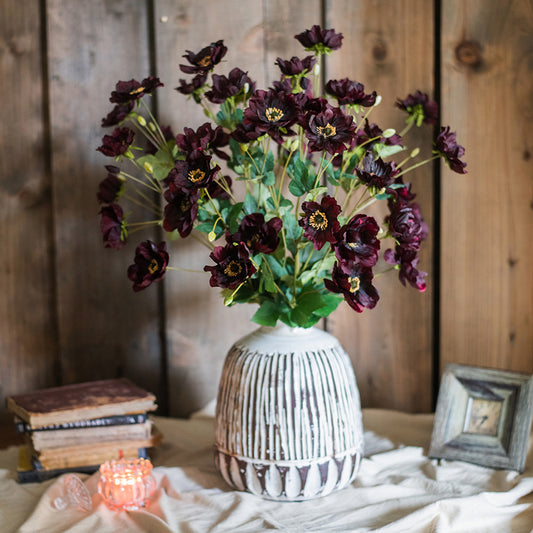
{"x":126,"y":484}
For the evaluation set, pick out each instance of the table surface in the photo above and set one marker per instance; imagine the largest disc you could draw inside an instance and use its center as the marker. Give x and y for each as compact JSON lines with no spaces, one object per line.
{"x":398,"y":489}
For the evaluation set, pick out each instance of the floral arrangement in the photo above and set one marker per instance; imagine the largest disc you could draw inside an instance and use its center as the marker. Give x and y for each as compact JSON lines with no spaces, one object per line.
{"x":293,"y":235}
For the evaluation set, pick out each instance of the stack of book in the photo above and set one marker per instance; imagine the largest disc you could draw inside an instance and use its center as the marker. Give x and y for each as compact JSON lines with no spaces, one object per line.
{"x":75,"y":428}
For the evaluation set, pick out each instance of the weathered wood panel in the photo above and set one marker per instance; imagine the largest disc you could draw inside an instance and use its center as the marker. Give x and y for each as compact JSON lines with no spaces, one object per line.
{"x":105,"y":330}
{"x":487,"y":216}
{"x":27,"y":329}
{"x":388,"y":46}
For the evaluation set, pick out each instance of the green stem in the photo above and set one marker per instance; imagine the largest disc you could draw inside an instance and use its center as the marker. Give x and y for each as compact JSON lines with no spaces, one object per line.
{"x":179,"y":269}
{"x":283,"y":176}
{"x":417,"y":165}
{"x":144,"y":206}
{"x":133,"y":178}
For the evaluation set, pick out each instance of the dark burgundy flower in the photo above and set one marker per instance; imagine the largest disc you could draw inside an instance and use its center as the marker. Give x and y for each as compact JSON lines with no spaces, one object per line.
{"x":150,"y":264}
{"x":117,"y":143}
{"x":113,"y":226}
{"x":447,"y":147}
{"x":233,"y":266}
{"x":355,"y":285}
{"x":245,"y":133}
{"x":270,"y":112}
{"x":406,"y":225}
{"x":258,"y":235}
{"x":295,"y":65}
{"x":192,"y":143}
{"x":408,"y":262}
{"x":420,"y":108}
{"x":329,"y":130}
{"x":181,"y":210}
{"x":357,"y":242}
{"x":225,"y":87}
{"x":129,"y":91}
{"x":205,"y":59}
{"x":117,"y":115}
{"x":219,"y":188}
{"x":109,"y":189}
{"x":374,"y":132}
{"x":401,"y":194}
{"x":348,"y":92}
{"x":376,"y":172}
{"x":193,"y":173}
{"x":193,"y":86}
{"x":319,"y":40}
{"x":320,"y":221}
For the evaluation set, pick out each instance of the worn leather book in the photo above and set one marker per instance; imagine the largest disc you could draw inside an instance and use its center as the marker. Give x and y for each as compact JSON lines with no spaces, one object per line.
{"x":60,"y":438}
{"x":82,"y":401}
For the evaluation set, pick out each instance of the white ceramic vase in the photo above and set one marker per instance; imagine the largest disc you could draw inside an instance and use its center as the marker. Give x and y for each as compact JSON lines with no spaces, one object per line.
{"x":288,"y":418}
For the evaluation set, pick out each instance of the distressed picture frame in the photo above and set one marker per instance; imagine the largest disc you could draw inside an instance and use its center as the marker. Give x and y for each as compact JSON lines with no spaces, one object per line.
{"x":483,"y":416}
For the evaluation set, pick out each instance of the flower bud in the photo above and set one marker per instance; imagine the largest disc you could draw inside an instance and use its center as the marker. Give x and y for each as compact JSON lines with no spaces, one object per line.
{"x":294,"y":145}
{"x":141,"y":121}
{"x":211,"y":236}
{"x":378,"y":100}
{"x":152,"y":127}
{"x":246,"y":88}
{"x":316,"y":70}
{"x":415,"y":152}
{"x":388,"y":133}
{"x":149,"y":168}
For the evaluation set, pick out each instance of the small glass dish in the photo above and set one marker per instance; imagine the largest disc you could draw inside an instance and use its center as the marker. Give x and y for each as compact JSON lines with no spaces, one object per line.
{"x":126,"y":484}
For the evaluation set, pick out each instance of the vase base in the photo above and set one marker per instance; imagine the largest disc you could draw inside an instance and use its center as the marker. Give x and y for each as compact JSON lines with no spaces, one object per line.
{"x":289,"y":480}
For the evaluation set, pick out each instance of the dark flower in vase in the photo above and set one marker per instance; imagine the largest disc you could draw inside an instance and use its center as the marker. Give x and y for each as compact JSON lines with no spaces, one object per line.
{"x":205,"y":59}
{"x":245,"y":133}
{"x":110,"y":189}
{"x":226,"y":87}
{"x":447,"y":147}
{"x":329,"y":130}
{"x":117,"y":115}
{"x":193,"y":86}
{"x":348,"y":92}
{"x":320,"y":221}
{"x":117,"y":143}
{"x":113,"y":226}
{"x":320,"y":41}
{"x":150,"y":264}
{"x":193,"y":173}
{"x":406,"y":225}
{"x":376,"y":172}
{"x":193,"y":143}
{"x":258,"y":235}
{"x":401,"y":194}
{"x":181,"y":210}
{"x":233,"y":266}
{"x":355,"y":284}
{"x":129,"y":91}
{"x":357,"y":242}
{"x":420,"y":108}
{"x":272,"y":113}
{"x":295,"y":66}
{"x":407,"y":260}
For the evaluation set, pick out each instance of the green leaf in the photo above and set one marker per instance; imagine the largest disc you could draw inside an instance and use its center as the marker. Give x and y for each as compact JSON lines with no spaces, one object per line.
{"x":269,"y":163}
{"x":232,"y":219}
{"x":331,"y":302}
{"x":267,"y":314}
{"x":269,"y":178}
{"x":384,"y":150}
{"x":313,"y":194}
{"x":296,"y":188}
{"x":249,"y":204}
{"x":162,"y":163}
{"x":277,"y":268}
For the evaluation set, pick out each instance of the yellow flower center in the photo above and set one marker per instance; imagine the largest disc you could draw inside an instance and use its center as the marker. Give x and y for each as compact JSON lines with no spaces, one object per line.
{"x":233,"y":269}
{"x":205,"y":61}
{"x":353,"y":245}
{"x":153,"y":266}
{"x":185,"y":205}
{"x":196,"y":175}
{"x":318,"y":220}
{"x":354,"y":284}
{"x":326,"y":131}
{"x":273,"y":114}
{"x":137,"y":91}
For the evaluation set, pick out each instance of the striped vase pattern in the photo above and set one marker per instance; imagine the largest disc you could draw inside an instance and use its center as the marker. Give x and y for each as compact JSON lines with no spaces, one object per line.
{"x":288,"y":419}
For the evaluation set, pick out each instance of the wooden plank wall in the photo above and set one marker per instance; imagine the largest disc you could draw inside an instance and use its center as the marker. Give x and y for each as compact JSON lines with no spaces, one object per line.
{"x":67,"y":312}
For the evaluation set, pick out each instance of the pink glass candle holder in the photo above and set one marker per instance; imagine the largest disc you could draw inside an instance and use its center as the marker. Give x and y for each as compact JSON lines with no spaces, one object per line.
{"x":126,"y":484}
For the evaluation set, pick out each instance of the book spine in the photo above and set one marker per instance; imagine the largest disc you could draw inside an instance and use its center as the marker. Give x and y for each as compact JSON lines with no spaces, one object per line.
{"x":119,"y":420}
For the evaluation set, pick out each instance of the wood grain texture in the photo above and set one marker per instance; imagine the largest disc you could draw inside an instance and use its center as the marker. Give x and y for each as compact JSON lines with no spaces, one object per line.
{"x":105,"y":329}
{"x":200,"y":329}
{"x":27,"y":327}
{"x":487,"y":215}
{"x":391,"y":345}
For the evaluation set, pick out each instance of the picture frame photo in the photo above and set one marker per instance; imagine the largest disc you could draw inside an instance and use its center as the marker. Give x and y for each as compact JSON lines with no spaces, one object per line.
{"x":483,"y":416}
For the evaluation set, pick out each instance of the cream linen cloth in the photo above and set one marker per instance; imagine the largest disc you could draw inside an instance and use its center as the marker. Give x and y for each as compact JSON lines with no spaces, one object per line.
{"x":398,"y":489}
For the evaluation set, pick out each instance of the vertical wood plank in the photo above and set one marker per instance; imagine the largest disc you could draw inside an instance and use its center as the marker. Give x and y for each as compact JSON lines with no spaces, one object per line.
{"x":388,"y":46}
{"x":200,"y":329}
{"x":27,"y":329}
{"x":487,"y":216}
{"x":105,"y":329}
